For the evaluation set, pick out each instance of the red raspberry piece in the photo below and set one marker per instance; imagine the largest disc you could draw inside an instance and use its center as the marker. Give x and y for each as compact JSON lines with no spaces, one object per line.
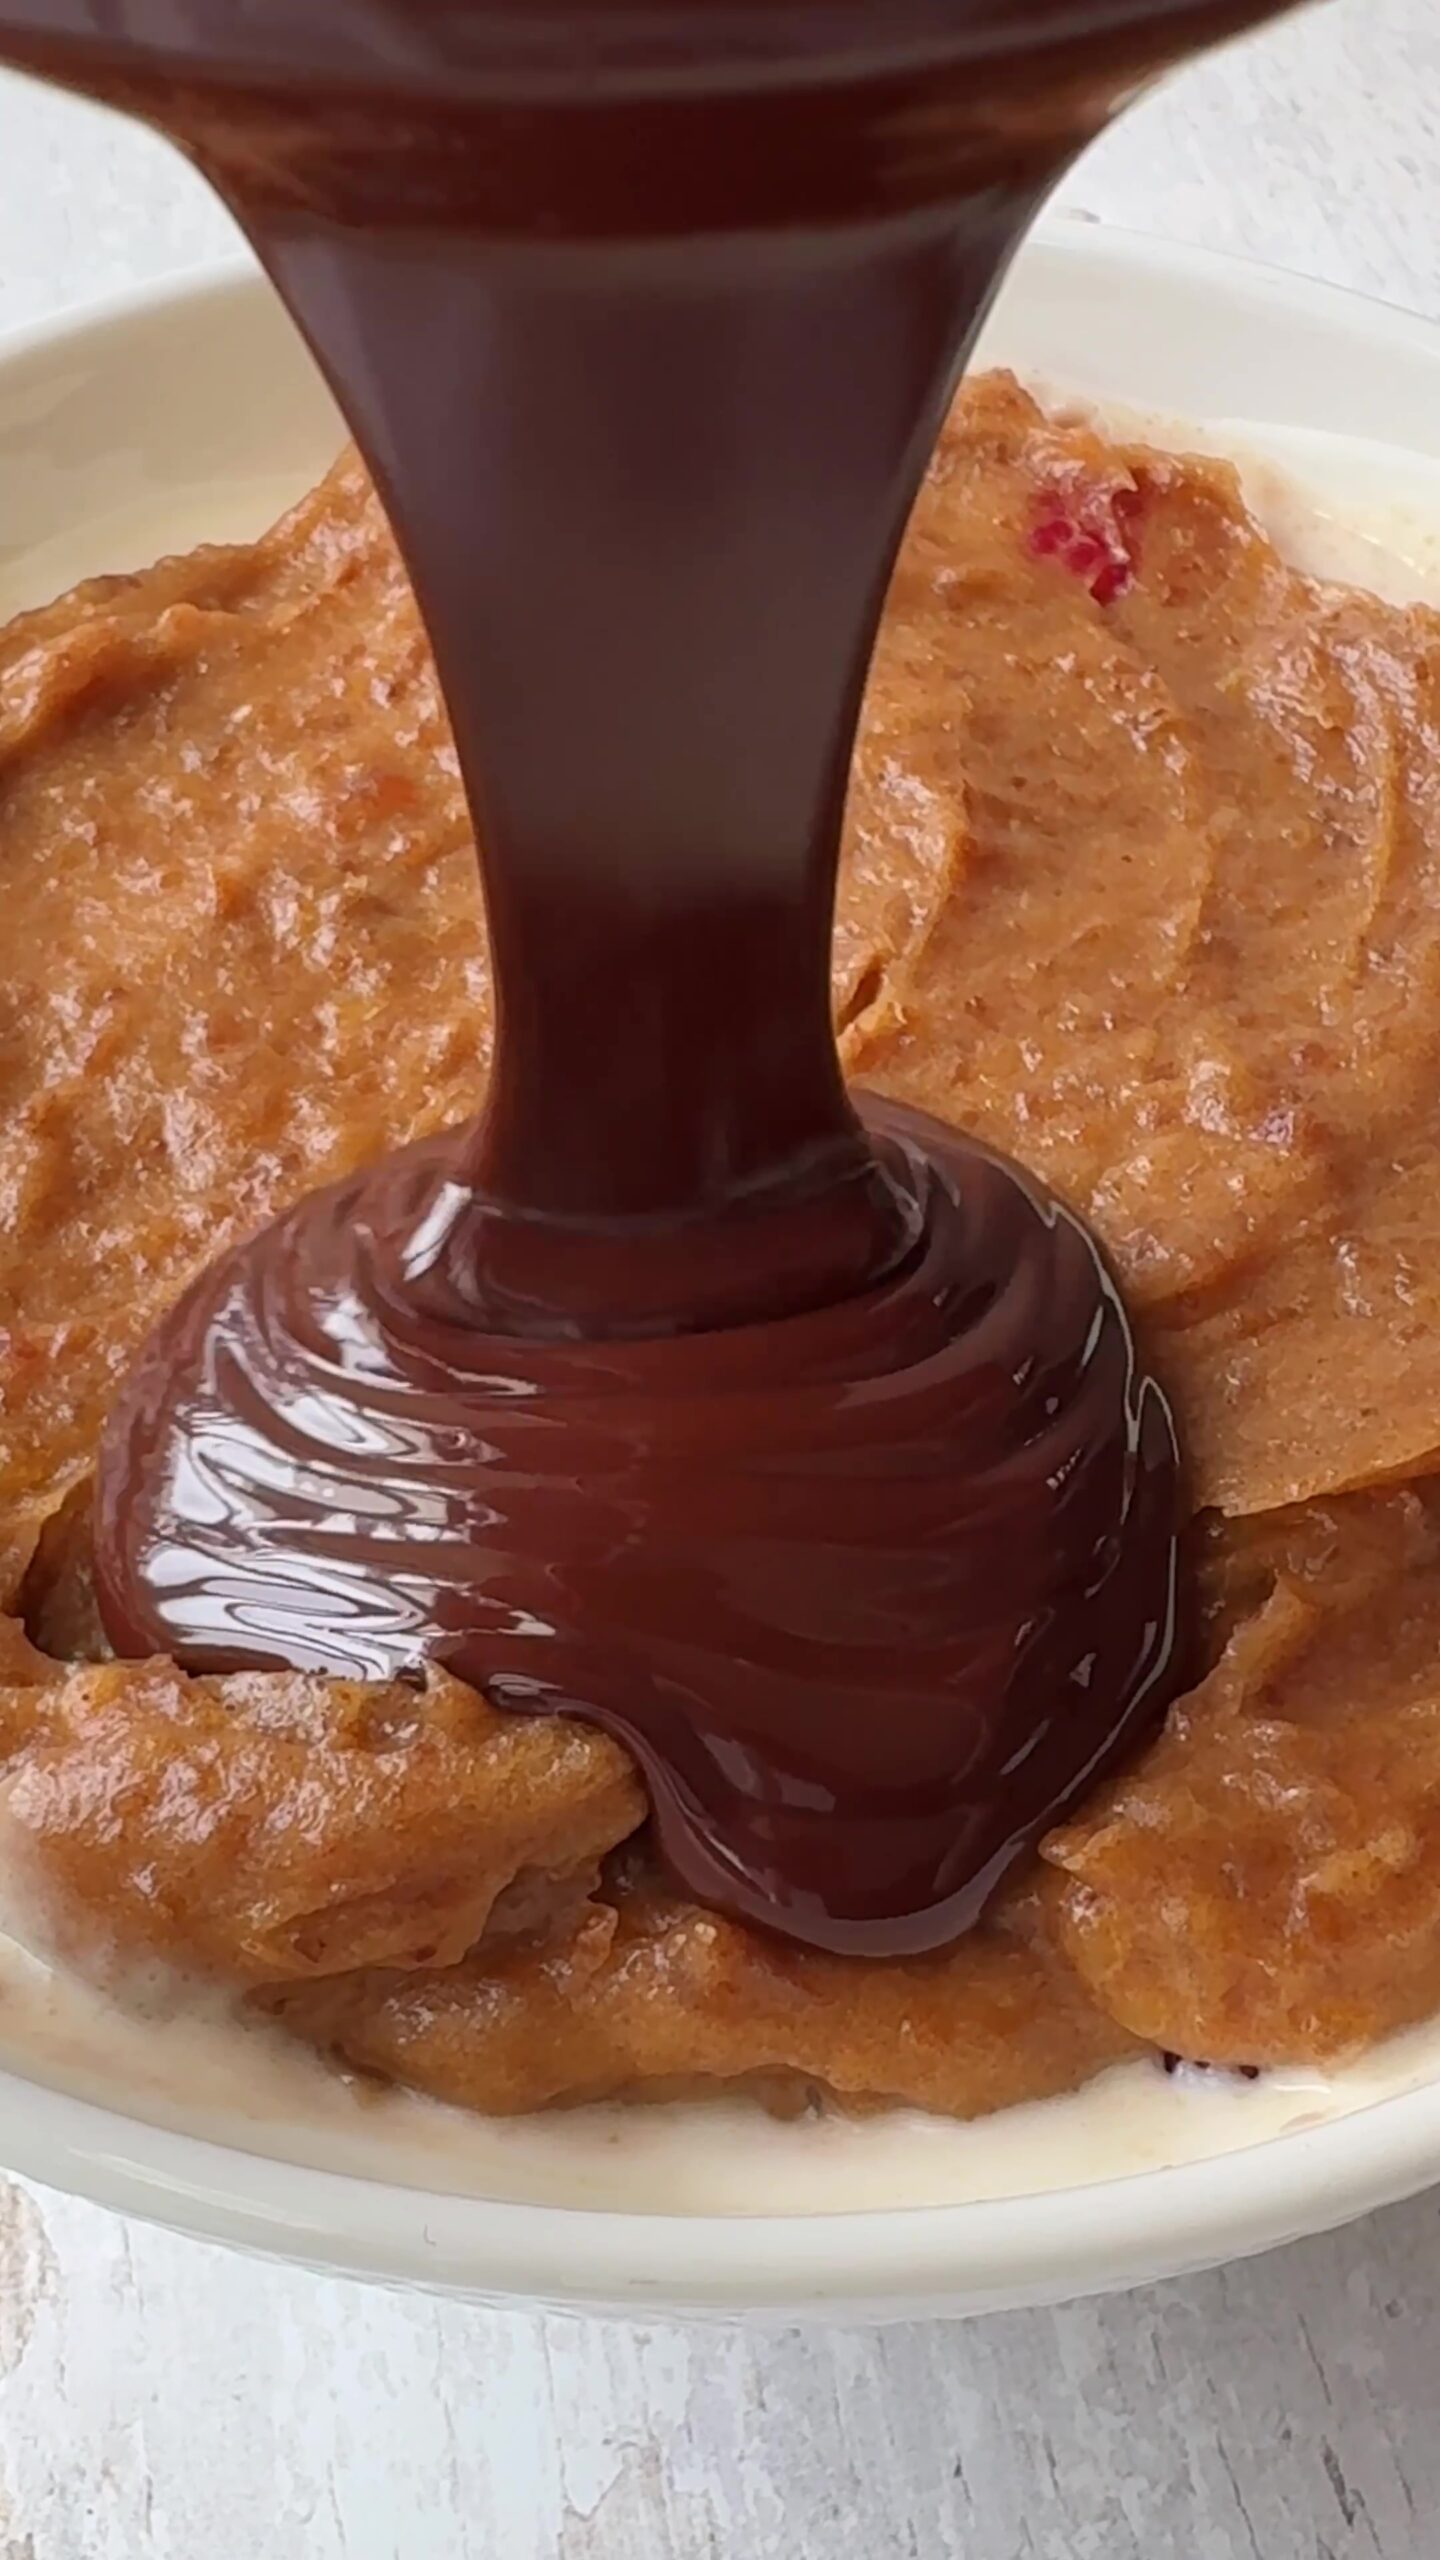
{"x":1094,"y":534}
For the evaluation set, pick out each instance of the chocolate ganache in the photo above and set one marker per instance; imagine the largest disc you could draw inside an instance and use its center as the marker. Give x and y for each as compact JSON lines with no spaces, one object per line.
{"x":805,"y":1446}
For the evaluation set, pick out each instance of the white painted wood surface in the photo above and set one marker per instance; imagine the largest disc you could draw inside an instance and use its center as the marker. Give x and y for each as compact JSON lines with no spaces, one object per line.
{"x":160,"y":2398}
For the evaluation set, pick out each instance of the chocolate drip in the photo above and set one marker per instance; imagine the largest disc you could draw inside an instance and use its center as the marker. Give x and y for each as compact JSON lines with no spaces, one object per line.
{"x":808,"y":1452}
{"x":871,"y":1592}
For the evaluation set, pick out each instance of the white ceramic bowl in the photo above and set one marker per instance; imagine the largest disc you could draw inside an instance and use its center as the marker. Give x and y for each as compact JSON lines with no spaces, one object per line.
{"x":192,"y":413}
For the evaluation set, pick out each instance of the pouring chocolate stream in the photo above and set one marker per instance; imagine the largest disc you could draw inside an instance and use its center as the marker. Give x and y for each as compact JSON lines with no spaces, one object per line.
{"x":806,"y":1448}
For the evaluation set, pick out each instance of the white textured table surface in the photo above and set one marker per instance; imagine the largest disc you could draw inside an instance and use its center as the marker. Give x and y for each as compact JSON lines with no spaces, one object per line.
{"x":156,"y":2397}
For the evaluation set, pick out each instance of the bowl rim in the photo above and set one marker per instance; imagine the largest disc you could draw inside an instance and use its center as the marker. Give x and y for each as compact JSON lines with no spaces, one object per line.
{"x":891,"y":2260}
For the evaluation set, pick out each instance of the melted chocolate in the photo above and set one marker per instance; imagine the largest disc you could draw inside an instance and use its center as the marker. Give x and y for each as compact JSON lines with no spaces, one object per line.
{"x":808,"y":1453}
{"x":870,"y":1591}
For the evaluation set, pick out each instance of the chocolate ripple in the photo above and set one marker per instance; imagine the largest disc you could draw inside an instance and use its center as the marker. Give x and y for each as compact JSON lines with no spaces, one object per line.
{"x":872,"y":1592}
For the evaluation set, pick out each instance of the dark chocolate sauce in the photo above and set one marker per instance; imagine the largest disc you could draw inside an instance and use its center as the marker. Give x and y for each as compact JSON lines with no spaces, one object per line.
{"x":870,"y":1591}
{"x":808,"y":1453}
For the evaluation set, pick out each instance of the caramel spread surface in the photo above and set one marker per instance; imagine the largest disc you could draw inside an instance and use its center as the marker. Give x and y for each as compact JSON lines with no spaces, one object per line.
{"x":1139,"y":884}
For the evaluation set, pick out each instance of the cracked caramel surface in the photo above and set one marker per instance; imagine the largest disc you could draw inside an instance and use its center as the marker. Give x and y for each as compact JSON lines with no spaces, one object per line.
{"x":1143,"y":883}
